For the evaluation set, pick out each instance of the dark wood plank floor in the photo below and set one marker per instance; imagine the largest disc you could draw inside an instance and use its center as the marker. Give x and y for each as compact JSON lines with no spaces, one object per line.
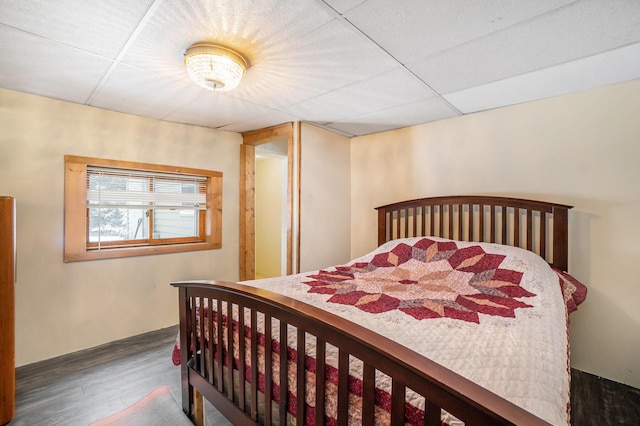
{"x":78,"y":388}
{"x":598,"y":401}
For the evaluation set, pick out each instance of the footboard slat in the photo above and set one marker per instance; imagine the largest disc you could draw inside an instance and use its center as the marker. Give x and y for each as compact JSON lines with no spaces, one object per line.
{"x":219,"y":357}
{"x":242,"y":394}
{"x":268,"y":370}
{"x":197,"y":343}
{"x":210,"y":348}
{"x":301,"y":378}
{"x":229,"y":328}
{"x":321,"y":348}
{"x":368,"y":394}
{"x":432,"y":414}
{"x":355,"y":346}
{"x":343,"y":388}
{"x":284,"y":369}
{"x":398,"y":396}
{"x":254,"y":365}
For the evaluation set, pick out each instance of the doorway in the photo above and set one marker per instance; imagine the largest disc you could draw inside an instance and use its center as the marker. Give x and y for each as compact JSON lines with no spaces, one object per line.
{"x":271,"y":209}
{"x":285,"y":135}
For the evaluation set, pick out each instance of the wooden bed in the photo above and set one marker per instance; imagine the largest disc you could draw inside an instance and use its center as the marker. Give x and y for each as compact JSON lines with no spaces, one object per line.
{"x":534,"y":225}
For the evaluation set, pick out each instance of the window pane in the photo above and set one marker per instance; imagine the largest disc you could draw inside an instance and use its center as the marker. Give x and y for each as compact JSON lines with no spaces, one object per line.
{"x":117,"y":224}
{"x":175,"y":223}
{"x":116,"y":189}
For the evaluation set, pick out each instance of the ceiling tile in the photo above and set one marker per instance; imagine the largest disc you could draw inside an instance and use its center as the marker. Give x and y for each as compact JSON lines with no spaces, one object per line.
{"x":53,"y":70}
{"x":143,"y":93}
{"x":615,"y":66}
{"x":422,"y":111}
{"x":97,"y":26}
{"x":411,"y":29}
{"x":385,"y":90}
{"x":330,"y":57}
{"x":272,"y":118}
{"x":574,"y":32}
{"x":252,"y":28}
{"x":210,"y":109}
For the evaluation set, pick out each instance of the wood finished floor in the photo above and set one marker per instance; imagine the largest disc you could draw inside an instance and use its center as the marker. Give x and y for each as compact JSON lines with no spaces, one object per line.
{"x":78,"y":388}
{"x":89,"y":385}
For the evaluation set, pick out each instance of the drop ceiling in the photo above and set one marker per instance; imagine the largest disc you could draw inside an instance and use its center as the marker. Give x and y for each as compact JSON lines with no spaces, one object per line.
{"x":352,"y":66}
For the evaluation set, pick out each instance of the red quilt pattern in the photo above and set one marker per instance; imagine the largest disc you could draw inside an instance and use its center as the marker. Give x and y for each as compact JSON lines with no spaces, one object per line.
{"x":429,"y":279}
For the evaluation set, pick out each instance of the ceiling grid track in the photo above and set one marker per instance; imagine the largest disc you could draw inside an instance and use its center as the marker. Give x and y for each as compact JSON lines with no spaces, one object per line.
{"x":134,"y":35}
{"x":338,"y":16}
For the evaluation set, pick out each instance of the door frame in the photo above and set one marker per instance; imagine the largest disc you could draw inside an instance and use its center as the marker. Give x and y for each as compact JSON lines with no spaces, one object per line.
{"x":290,"y":131}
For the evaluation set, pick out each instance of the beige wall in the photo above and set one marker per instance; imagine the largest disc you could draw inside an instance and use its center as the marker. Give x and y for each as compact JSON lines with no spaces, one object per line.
{"x":62,"y":307}
{"x":581,"y":149}
{"x":270,"y":204}
{"x":325,"y":199}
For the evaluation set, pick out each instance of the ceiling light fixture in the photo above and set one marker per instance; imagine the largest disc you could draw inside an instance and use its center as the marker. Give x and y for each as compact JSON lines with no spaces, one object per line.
{"x":214,"y":67}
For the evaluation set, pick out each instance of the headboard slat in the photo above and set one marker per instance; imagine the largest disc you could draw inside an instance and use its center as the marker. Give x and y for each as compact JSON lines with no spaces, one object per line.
{"x":529,"y":214}
{"x":493,"y":224}
{"x":406,"y":221}
{"x":460,"y":217}
{"x":432,"y":215}
{"x":543,"y":237}
{"x":516,"y":227}
{"x":451,"y":209}
{"x":470,"y":222}
{"x":547,"y":237}
{"x":505,"y":219}
{"x":481,"y":228}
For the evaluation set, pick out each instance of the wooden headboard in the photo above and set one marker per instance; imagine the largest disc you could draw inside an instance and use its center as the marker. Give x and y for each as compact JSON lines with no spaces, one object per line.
{"x":536,"y":226}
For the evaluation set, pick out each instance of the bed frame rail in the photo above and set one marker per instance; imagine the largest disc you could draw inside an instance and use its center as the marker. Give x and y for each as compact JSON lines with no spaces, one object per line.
{"x":442,"y":388}
{"x":536,"y":226}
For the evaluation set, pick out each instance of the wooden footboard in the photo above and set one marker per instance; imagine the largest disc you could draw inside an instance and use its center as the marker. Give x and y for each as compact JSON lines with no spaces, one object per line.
{"x":204,"y":367}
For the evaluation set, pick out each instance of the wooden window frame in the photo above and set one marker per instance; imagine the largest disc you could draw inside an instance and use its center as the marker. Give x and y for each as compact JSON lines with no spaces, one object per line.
{"x":76,"y":245}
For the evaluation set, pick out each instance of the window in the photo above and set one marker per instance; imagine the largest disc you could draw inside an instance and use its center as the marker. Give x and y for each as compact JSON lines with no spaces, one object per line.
{"x":118,"y":209}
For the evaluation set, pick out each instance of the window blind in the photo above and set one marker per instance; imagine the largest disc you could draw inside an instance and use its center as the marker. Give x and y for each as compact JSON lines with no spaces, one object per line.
{"x":136,"y":189}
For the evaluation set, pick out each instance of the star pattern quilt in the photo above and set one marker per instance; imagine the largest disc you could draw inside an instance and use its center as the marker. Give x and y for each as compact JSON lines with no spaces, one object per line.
{"x":494,"y":314}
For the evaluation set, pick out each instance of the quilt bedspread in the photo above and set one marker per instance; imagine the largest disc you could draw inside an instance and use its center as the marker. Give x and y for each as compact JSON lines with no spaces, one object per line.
{"x":494,"y":314}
